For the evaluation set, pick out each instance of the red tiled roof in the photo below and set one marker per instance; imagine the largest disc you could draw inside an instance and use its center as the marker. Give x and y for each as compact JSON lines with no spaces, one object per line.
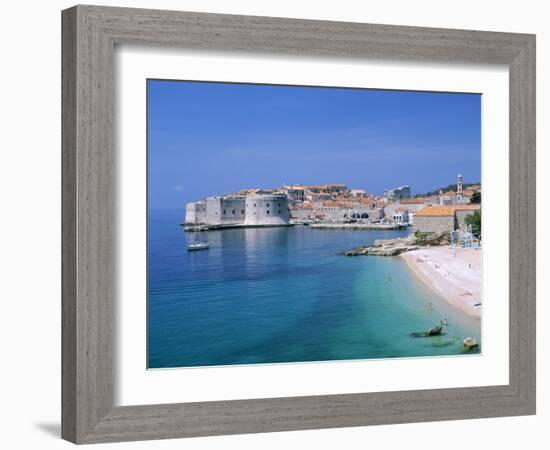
{"x":337,"y":204}
{"x":444,"y":210}
{"x":414,"y":201}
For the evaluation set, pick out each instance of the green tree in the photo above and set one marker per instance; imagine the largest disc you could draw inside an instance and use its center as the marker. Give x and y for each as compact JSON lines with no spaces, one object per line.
{"x":475,"y":221}
{"x":476,"y":198}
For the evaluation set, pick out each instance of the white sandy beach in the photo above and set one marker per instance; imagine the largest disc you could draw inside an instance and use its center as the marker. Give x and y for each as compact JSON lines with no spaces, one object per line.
{"x":454,"y":273}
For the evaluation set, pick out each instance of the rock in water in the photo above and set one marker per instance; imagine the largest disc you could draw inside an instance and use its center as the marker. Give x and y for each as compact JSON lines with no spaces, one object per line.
{"x":393,"y":247}
{"x":470,"y":343}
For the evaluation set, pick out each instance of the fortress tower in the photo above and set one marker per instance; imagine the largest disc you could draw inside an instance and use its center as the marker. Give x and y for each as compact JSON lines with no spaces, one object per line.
{"x":266,"y":210}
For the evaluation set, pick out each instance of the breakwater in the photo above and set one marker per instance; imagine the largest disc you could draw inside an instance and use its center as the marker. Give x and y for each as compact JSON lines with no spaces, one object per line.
{"x":357,"y":226}
{"x":198,"y":228}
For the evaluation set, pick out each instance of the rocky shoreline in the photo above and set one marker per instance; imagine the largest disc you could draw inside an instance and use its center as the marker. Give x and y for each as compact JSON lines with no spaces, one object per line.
{"x":394,"y":247}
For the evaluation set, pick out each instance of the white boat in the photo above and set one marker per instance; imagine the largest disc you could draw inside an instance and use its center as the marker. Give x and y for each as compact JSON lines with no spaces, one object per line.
{"x":198,"y":246}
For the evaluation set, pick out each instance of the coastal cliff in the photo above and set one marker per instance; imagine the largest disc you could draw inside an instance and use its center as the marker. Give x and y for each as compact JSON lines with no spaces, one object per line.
{"x":394,"y":247}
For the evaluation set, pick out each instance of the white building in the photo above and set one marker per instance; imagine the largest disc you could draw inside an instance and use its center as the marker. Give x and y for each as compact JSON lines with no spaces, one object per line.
{"x":335,"y":211}
{"x":302,"y":212}
{"x":195,"y":212}
{"x":236,"y":210}
{"x":401,"y":215}
{"x":266,"y":210}
{"x":226,"y":210}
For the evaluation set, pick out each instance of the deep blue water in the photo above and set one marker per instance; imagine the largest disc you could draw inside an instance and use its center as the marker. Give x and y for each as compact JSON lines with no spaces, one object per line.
{"x":285,"y":295}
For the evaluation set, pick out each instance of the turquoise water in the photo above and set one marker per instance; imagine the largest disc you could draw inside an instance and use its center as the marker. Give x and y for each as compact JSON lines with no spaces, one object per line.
{"x":285,"y":295}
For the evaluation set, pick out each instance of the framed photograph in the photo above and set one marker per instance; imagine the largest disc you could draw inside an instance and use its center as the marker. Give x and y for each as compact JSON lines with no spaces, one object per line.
{"x":276,"y":224}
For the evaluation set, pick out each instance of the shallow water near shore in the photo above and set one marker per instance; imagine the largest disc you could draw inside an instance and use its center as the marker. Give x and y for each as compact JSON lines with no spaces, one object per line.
{"x":271,"y":295}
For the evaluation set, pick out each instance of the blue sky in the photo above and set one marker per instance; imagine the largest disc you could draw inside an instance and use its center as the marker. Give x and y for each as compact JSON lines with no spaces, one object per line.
{"x":216,"y":138}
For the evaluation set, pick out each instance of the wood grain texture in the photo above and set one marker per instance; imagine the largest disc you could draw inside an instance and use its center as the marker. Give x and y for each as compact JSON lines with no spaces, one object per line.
{"x":68,"y":226}
{"x":89,"y":36}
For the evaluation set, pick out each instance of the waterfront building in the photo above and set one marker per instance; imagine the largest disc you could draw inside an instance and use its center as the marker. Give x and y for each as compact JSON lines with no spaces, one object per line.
{"x":339,"y":211}
{"x":239,"y":210}
{"x":302,"y":212}
{"x":367,"y":211}
{"x":331,"y":211}
{"x":401,"y":215}
{"x":438,"y":218}
{"x":328,"y":202}
{"x":225,"y":210}
{"x":266,"y":210}
{"x":195,"y":213}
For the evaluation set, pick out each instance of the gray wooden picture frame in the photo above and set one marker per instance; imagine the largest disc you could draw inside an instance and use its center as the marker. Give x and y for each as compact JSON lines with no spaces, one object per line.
{"x":90,"y":34}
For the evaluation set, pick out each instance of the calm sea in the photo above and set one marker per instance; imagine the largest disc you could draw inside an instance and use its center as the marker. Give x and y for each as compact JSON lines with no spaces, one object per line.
{"x":286,"y":295}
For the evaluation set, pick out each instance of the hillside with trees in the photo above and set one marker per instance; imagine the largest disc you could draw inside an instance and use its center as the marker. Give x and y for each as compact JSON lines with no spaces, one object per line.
{"x":450,"y":187}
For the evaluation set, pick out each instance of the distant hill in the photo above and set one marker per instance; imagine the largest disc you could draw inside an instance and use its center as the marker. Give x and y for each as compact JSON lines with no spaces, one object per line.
{"x":450,"y":187}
